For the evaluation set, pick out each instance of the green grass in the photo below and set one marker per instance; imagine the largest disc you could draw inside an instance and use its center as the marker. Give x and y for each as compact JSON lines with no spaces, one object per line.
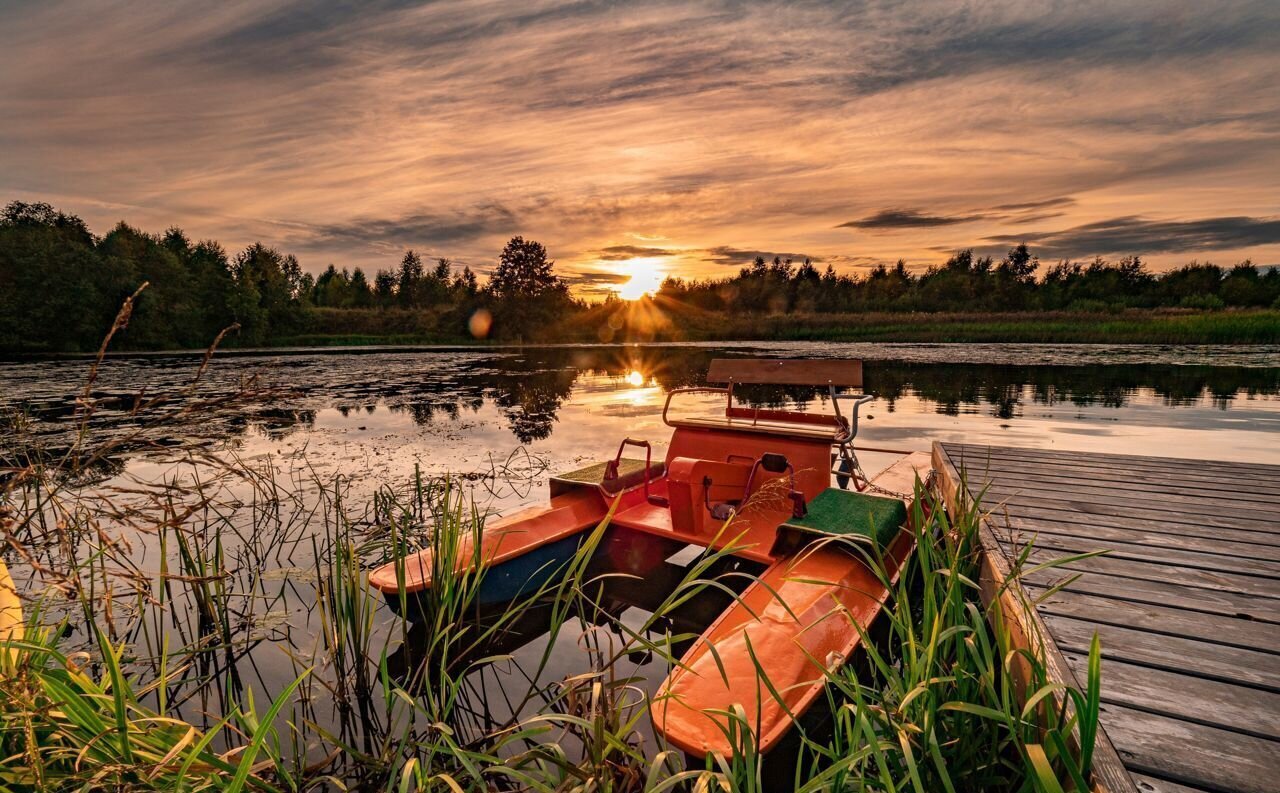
{"x":1131,"y":327}
{"x":65,"y":728}
{"x":364,"y":340}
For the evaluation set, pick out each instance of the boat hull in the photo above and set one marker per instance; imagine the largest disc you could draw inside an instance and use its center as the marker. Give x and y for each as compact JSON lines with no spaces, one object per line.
{"x":519,"y":578}
{"x":517,"y":556}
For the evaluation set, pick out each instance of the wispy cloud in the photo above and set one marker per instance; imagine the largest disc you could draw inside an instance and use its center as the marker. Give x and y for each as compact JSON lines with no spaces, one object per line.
{"x":907,"y":219}
{"x":720,"y":129}
{"x":617,"y":253}
{"x":433,"y":231}
{"x":724,"y":254}
{"x":1022,"y":212}
{"x":1141,"y":235}
{"x":1048,"y":203}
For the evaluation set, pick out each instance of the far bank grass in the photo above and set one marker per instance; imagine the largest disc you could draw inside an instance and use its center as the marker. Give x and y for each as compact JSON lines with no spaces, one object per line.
{"x":1242,"y":327}
{"x":349,"y":328}
{"x":1129,"y":327}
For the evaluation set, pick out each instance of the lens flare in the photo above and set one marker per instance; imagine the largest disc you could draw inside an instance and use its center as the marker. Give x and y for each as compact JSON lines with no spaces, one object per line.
{"x":480,"y":323}
{"x":636,"y":379}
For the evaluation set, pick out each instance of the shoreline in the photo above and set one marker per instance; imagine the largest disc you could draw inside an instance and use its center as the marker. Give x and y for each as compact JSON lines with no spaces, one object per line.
{"x":1158,"y":327}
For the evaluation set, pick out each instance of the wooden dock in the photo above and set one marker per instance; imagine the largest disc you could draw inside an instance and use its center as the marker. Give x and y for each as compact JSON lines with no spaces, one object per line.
{"x":1186,"y":601}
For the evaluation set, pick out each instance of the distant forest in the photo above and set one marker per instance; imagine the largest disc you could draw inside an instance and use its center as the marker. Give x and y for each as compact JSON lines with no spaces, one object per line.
{"x":61,"y":286}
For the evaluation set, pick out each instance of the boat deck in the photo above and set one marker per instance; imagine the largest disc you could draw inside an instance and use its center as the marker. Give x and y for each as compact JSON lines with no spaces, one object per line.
{"x":1186,"y":602}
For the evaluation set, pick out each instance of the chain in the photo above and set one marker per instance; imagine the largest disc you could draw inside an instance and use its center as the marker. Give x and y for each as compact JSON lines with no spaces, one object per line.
{"x":859,"y":475}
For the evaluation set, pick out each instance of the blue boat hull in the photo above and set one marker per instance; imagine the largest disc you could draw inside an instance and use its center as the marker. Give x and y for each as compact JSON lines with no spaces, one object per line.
{"x":520,"y":577}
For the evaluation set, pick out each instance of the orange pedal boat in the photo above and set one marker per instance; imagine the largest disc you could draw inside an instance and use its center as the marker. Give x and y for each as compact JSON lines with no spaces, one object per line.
{"x":755,"y":483}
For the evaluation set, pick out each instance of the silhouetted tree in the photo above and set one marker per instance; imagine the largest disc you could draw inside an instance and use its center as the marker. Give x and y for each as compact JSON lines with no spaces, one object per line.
{"x":55,"y":291}
{"x":163,"y":315}
{"x":1015,"y":278}
{"x":524,"y":272}
{"x":361,"y":295}
{"x":384,"y":288}
{"x":527,"y":292}
{"x":410,"y":279}
{"x":271,"y":282}
{"x":467,"y":283}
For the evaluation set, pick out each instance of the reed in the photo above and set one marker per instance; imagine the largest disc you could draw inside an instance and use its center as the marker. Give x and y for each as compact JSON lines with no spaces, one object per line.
{"x":931,"y":704}
{"x":937,"y":701}
{"x":64,"y":728}
{"x":151,"y":640}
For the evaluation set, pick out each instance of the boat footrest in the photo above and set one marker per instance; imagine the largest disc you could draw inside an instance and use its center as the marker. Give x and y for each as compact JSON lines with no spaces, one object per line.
{"x":874,"y":520}
{"x":631,"y":473}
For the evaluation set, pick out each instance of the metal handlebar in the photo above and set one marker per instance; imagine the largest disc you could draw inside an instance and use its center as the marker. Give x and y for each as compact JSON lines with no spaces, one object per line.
{"x":611,"y":468}
{"x":858,"y":401}
{"x":691,"y":390}
{"x":851,"y":424}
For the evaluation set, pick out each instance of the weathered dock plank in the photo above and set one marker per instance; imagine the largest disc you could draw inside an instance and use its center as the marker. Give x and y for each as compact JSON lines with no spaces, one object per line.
{"x":1245,"y":634}
{"x":1171,"y":653}
{"x":1224,"y":545}
{"x":1134,"y":590}
{"x":1203,"y":701}
{"x":1069,"y":518}
{"x":1257,"y":489}
{"x":1159,"y":571}
{"x":1169,"y":501}
{"x":1185,"y":601}
{"x":1184,"y":557}
{"x":1191,"y":753}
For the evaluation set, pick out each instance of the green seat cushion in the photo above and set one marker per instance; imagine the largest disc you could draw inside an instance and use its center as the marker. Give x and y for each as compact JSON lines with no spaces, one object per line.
{"x":844,"y":513}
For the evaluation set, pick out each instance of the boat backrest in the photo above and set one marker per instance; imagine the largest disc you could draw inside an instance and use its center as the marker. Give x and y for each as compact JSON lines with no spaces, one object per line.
{"x":786,"y":371}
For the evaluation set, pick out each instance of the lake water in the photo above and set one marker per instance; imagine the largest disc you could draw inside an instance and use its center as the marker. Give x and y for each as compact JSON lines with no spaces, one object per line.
{"x":378,"y":414}
{"x":499,"y":420}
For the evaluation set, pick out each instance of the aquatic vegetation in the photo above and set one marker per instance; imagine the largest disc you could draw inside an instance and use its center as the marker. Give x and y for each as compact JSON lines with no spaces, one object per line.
{"x":212,"y":628}
{"x":932,"y":704}
{"x":944,"y":699}
{"x":65,"y":726}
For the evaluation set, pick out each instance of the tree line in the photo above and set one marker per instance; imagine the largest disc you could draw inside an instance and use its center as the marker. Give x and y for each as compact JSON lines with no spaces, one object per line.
{"x":979,"y":283}
{"x":61,"y":286}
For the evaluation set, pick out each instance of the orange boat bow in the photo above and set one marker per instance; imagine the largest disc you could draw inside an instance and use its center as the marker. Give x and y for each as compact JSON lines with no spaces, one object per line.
{"x":796,"y":622}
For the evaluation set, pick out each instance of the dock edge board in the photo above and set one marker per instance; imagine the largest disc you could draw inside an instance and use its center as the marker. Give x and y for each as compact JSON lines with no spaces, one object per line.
{"x":1026,"y":627}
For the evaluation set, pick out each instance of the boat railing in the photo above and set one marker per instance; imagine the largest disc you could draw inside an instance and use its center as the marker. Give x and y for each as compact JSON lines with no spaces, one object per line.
{"x":832,"y":374}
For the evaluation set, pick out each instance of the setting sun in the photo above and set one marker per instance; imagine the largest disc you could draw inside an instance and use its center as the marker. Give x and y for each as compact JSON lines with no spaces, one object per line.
{"x":646,"y":277}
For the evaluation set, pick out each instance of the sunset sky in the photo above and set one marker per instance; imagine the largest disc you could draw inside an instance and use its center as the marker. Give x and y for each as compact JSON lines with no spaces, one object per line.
{"x":646,"y":139}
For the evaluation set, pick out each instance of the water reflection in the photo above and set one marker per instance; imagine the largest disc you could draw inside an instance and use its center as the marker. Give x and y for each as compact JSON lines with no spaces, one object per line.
{"x":532,"y":390}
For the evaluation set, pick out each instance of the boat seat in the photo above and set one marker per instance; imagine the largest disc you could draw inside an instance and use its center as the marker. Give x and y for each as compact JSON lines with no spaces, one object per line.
{"x":863,"y":518}
{"x":645,"y":517}
{"x":734,"y":424}
{"x":631,"y":473}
